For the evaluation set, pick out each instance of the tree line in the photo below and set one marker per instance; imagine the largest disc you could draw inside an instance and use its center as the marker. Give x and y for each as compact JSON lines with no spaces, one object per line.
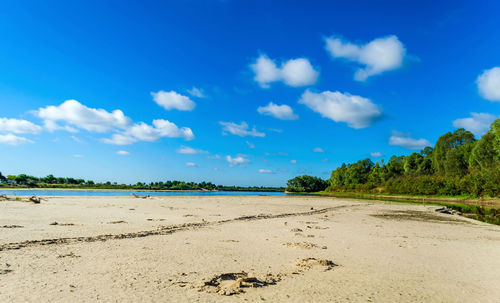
{"x":27,"y":181}
{"x":459,"y":164}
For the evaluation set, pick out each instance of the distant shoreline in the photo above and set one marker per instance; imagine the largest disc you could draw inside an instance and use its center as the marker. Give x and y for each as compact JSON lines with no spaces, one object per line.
{"x":107,"y":189}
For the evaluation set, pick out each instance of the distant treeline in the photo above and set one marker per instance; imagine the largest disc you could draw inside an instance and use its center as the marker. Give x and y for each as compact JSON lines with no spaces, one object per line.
{"x":26,"y":181}
{"x":458,"y":165}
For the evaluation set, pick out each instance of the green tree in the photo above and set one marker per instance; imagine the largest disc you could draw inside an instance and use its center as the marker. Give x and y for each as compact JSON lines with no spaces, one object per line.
{"x":447,"y":142}
{"x":306,"y":184}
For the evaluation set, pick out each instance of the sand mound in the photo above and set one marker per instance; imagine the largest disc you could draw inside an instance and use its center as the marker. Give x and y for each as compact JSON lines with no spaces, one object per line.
{"x":308,"y":263}
{"x":234,"y":283}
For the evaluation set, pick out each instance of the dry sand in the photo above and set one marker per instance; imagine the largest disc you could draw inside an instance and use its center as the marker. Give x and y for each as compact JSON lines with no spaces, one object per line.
{"x":236,"y":249}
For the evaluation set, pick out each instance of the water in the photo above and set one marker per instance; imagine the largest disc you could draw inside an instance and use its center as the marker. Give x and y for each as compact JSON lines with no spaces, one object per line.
{"x":123,"y":193}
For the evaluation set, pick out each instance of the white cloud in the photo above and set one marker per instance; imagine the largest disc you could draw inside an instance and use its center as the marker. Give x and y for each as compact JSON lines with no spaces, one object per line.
{"x":488,"y":84}
{"x":479,"y":123}
{"x":78,"y":155}
{"x":356,"y":111}
{"x":376,"y":154}
{"x":293,"y":161}
{"x":11,"y":139}
{"x":377,"y":56}
{"x":53,"y":126}
{"x":191,"y":164}
{"x":265,"y":171}
{"x":283,"y":112}
{"x":144,"y":132}
{"x":172,"y":100}
{"x":282,"y":154}
{"x":318,"y":150}
{"x":74,"y":113}
{"x":250,"y":145}
{"x":241,"y":129}
{"x":190,"y":151}
{"x":294,"y":72}
{"x":77,"y":140}
{"x":196,"y":92}
{"x":238,"y":160}
{"x":18,"y":126}
{"x":119,"y":139}
{"x":213,"y":157}
{"x":405,"y":141}
{"x":122,"y":153}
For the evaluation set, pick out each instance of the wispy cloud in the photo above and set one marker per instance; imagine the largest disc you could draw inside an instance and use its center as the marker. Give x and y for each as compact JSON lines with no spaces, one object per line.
{"x":11,"y":139}
{"x":406,"y":141}
{"x":196,"y":92}
{"x":239,"y":160}
{"x":241,"y":129}
{"x":265,"y":171}
{"x":190,"y":151}
{"x":376,"y":154}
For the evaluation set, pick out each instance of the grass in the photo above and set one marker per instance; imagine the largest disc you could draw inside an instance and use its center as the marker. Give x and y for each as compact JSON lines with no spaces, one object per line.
{"x":485,"y":210}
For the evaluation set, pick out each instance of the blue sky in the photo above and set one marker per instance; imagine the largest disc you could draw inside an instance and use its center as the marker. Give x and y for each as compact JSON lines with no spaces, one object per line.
{"x":346,"y":81}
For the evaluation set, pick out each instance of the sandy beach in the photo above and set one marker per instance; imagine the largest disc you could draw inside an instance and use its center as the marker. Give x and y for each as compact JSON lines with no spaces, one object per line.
{"x":243,"y":249}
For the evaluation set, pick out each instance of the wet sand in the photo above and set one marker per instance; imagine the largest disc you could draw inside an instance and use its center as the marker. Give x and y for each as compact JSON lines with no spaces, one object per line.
{"x":237,"y":249}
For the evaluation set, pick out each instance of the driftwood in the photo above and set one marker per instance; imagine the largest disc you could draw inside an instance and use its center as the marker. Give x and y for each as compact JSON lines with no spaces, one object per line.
{"x":141,"y":197}
{"x":33,"y":199}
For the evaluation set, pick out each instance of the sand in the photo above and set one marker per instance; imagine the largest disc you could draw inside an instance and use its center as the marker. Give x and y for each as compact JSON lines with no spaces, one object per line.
{"x":243,"y":249}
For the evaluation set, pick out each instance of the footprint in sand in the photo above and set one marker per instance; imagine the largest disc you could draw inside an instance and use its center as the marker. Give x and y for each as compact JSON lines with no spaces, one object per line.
{"x":117,"y":222}
{"x":235,"y":283}
{"x":11,"y":226}
{"x":304,"y":245}
{"x":309,"y":263}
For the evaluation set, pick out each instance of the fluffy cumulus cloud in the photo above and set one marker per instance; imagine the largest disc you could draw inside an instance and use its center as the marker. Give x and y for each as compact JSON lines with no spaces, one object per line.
{"x":356,"y":111}
{"x":488,"y":84}
{"x":318,"y":150}
{"x":294,"y":72}
{"x":377,"y":56}
{"x":150,"y":133}
{"x":265,"y":171}
{"x":406,"y":141}
{"x":241,"y":129}
{"x":376,"y":154}
{"x":238,"y":160}
{"x":478,"y":123}
{"x":11,"y":139}
{"x":18,"y":126}
{"x":172,"y":100}
{"x":73,"y":113}
{"x":122,"y":153}
{"x":283,"y":112}
{"x":190,"y":151}
{"x":191,"y":164}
